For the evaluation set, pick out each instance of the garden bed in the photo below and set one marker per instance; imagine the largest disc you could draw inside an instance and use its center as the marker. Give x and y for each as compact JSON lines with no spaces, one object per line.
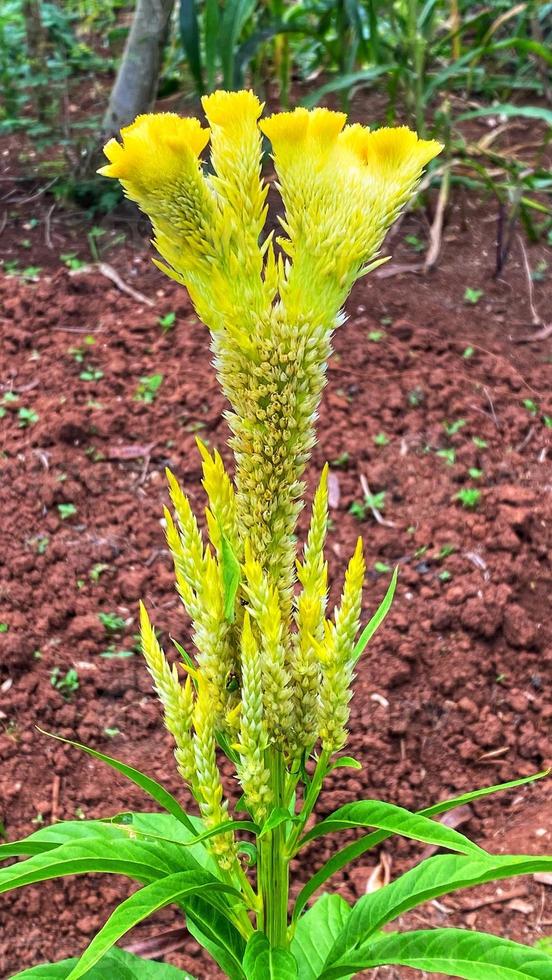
{"x":429,"y":393}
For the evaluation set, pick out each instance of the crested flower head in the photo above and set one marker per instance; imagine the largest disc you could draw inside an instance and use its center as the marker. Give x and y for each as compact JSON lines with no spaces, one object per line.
{"x":342,"y":187}
{"x":155,"y":150}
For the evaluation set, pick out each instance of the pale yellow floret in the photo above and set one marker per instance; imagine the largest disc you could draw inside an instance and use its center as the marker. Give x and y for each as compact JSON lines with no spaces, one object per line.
{"x":337,"y":657}
{"x":265,"y":609}
{"x":213,"y":807}
{"x":222,"y":499}
{"x":311,"y":604}
{"x":177,"y":700}
{"x":253,"y":775}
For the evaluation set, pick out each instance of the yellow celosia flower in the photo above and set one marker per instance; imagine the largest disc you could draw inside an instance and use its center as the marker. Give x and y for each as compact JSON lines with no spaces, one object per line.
{"x":342,"y":188}
{"x":273,"y":675}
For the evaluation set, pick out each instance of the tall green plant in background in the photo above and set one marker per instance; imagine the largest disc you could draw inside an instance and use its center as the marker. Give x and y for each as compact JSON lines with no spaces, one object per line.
{"x":270,"y":681}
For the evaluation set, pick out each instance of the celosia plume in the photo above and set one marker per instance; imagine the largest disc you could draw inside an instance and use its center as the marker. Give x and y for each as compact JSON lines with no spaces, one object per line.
{"x":272,"y":675}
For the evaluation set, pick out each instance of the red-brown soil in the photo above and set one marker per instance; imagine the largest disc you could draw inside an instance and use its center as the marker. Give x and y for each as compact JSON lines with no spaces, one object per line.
{"x":453,"y":692}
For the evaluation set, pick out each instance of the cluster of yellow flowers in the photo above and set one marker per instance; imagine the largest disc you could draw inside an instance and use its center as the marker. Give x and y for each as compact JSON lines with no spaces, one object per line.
{"x":272,"y":674}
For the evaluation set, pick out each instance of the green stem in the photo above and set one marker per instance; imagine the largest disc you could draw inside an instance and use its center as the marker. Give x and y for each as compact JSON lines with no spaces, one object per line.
{"x":273,"y":866}
{"x":313,"y":793}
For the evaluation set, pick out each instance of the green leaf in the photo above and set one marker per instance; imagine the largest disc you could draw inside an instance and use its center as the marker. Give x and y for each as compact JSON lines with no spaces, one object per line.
{"x":138,"y":859}
{"x":175,"y":888}
{"x":223,"y":828}
{"x":344,"y":762}
{"x":234,"y":17}
{"x":264,"y":962}
{"x":217,"y":935}
{"x":505,"y":109}
{"x":316,"y":933}
{"x":149,"y":785}
{"x":353,"y":851}
{"x":454,"y":952}
{"x":159,"y":826}
{"x":376,"y":619}
{"x":277,"y":817}
{"x":397,"y":820}
{"x":165,"y":827}
{"x":437,"y":876}
{"x":189,"y":35}
{"x":231,"y":576}
{"x":211,"y":26}
{"x":115,"y":964}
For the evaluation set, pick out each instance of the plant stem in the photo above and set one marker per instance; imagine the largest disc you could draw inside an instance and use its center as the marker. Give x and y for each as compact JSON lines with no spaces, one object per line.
{"x":274,"y":864}
{"x":310,"y":801}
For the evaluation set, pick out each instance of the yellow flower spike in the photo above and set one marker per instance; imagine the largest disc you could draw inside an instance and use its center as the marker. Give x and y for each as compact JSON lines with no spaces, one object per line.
{"x":236,"y":159}
{"x":177,"y":701}
{"x":335,"y":692}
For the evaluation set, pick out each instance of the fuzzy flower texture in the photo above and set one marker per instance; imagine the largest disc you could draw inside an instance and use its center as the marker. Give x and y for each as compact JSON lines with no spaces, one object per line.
{"x":271,"y":674}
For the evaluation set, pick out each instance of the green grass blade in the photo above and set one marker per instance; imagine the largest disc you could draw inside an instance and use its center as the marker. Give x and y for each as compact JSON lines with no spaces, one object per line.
{"x":356,"y":79}
{"x":236,"y":14}
{"x":189,"y":35}
{"x":505,"y":109}
{"x":211,"y":28}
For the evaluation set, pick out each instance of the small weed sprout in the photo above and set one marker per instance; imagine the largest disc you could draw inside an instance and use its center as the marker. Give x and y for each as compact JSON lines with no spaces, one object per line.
{"x":66,"y":683}
{"x":469,"y":497}
{"x":148,"y":388}
{"x":472,"y":296}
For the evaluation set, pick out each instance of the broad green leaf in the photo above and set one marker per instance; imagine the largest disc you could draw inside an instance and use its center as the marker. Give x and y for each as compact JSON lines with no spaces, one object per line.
{"x":138,"y":859}
{"x":143,"y":903}
{"x":217,"y":935}
{"x":47,"y":838}
{"x":163,"y":826}
{"x":505,"y":109}
{"x":353,"y":851}
{"x":149,"y":785}
{"x":158,"y":826}
{"x":231,"y":575}
{"x":316,"y":932}
{"x":437,"y":876}
{"x":264,"y":962}
{"x":454,"y":952}
{"x":377,"y":618}
{"x":397,"y":820}
{"x":115,"y":965}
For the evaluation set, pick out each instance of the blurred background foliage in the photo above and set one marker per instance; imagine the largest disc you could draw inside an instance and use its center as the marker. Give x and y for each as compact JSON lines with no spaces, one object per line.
{"x":436,"y":65}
